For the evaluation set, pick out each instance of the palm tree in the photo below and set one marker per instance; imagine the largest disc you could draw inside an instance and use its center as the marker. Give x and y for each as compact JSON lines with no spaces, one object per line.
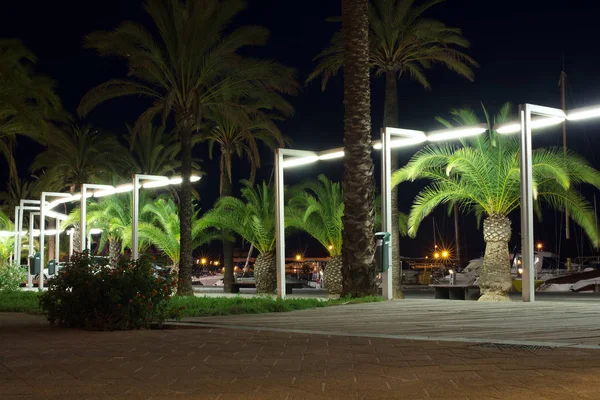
{"x":482,"y":177}
{"x":254,"y":220}
{"x":317,"y":208}
{"x":402,"y":43}
{"x":17,"y":189}
{"x":187,"y":69}
{"x":238,"y":133}
{"x":27,"y":101}
{"x":357,"y":249}
{"x":164,"y":229}
{"x":80,"y":154}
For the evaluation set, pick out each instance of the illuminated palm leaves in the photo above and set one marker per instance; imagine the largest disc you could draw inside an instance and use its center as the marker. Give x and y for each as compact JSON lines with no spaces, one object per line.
{"x":317,"y":208}
{"x":252,"y":217}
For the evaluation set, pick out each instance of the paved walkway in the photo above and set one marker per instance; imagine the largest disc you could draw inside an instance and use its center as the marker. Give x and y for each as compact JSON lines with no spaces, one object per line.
{"x":543,"y":323}
{"x":40,"y":362}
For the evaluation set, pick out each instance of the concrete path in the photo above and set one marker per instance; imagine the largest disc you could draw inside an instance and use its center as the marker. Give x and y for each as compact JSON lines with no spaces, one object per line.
{"x":40,"y":362}
{"x":543,"y":323}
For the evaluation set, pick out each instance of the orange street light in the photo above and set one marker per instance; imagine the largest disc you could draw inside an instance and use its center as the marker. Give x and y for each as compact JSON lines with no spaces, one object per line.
{"x":298,"y":257}
{"x":437,"y":255}
{"x":203,"y":261}
{"x":330,"y":247}
{"x":445,"y":254}
{"x":539,"y":246}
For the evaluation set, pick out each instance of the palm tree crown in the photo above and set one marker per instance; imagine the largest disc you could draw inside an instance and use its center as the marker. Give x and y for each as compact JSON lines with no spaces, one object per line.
{"x":404,"y":42}
{"x":81,"y":154}
{"x":317,"y":208}
{"x":253,"y":218}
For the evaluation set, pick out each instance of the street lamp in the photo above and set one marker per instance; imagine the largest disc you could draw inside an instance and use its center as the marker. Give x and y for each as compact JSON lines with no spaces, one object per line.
{"x":539,"y":247}
{"x":445,"y":254}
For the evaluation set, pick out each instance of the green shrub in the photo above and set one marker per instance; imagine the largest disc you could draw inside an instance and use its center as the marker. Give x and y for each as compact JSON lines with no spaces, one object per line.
{"x":131,"y":295}
{"x":11,"y":276}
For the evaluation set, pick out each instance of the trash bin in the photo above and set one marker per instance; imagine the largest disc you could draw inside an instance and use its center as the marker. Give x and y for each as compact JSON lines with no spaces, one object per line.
{"x":382,"y":251}
{"x":35,"y":263}
{"x":51,"y":267}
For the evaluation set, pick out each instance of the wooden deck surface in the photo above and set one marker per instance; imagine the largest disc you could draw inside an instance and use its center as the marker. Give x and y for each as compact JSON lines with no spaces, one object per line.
{"x":545,"y":323}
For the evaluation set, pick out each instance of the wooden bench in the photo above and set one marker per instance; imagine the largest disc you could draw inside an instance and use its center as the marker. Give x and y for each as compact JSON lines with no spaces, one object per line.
{"x":235,"y":288}
{"x":456,"y":292}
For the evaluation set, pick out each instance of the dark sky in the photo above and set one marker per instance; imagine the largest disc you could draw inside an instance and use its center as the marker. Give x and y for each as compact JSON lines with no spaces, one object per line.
{"x":519,"y":44}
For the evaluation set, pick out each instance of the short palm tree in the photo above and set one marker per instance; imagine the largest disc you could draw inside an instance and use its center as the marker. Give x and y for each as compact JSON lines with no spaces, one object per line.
{"x":403,"y":43}
{"x":186,"y":65}
{"x":27,"y":101}
{"x":238,"y":133}
{"x":482,"y":176}
{"x":317,"y":208}
{"x":163,"y":229}
{"x":253,"y":218}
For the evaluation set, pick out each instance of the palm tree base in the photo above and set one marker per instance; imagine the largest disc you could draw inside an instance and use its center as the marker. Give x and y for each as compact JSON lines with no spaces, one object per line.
{"x":492,"y":296}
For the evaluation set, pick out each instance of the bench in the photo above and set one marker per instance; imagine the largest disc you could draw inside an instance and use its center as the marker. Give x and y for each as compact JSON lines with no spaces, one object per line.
{"x":235,"y":287}
{"x":456,"y":292}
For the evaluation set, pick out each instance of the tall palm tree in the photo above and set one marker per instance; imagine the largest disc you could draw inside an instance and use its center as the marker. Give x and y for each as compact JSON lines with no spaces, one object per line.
{"x":17,"y":189}
{"x":27,"y":101}
{"x":187,"y":65}
{"x":253,"y":218}
{"x":403,"y":42}
{"x":358,"y":270}
{"x":164,"y":228}
{"x":317,"y":208}
{"x":482,"y":176}
{"x":238,"y":133}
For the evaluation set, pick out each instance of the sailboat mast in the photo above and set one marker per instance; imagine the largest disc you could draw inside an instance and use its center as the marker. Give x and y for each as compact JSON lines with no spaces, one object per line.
{"x":563,"y":96}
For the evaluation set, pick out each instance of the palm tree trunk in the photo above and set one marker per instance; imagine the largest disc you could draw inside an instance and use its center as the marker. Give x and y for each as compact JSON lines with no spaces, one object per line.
{"x":358,"y":246}
{"x":264,"y":273}
{"x":185,"y":210}
{"x":76,"y":237}
{"x":228,"y":245}
{"x":495,"y":280}
{"x":332,"y":276}
{"x":391,"y":119}
{"x":50,"y":238}
{"x":114,"y":250}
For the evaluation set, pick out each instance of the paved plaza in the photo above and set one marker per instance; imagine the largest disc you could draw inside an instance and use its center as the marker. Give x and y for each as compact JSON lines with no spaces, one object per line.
{"x":205,"y":362}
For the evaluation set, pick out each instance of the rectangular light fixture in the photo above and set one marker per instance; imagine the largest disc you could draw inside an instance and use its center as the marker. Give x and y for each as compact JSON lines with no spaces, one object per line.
{"x":7,"y":233}
{"x":95,"y":231}
{"x":194,"y":178}
{"x":583,"y":113}
{"x":538,"y":123}
{"x":175,"y":181}
{"x":455,"y":133}
{"x":332,"y":155}
{"x":156,"y":184}
{"x":404,"y":142}
{"x":103,"y":193}
{"x":298,"y":161}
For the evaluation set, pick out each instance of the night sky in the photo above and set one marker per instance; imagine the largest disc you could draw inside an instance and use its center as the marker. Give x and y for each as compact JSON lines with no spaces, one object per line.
{"x":520,"y":46}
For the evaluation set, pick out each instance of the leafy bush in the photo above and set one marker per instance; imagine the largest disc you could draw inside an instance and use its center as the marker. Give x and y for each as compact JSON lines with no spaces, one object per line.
{"x":11,"y":276}
{"x":131,"y":295}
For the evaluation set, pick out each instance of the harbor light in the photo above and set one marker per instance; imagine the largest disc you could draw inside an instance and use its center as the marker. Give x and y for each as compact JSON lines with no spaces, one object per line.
{"x":298,"y":257}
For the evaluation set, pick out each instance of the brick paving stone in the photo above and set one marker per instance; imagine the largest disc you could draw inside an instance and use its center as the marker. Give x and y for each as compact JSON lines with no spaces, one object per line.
{"x":37,"y":361}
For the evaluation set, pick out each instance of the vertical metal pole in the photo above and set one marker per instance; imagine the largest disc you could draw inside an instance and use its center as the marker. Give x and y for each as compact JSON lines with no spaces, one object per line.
{"x":57,"y":242}
{"x":20,"y":236}
{"x":386,"y":210}
{"x":457,"y":235}
{"x":16,"y":241}
{"x":72,"y":233}
{"x":279,"y":227}
{"x":527,"y":206}
{"x":31,"y":252}
{"x":42,"y":233}
{"x":83,"y":218}
{"x":135,"y":212}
